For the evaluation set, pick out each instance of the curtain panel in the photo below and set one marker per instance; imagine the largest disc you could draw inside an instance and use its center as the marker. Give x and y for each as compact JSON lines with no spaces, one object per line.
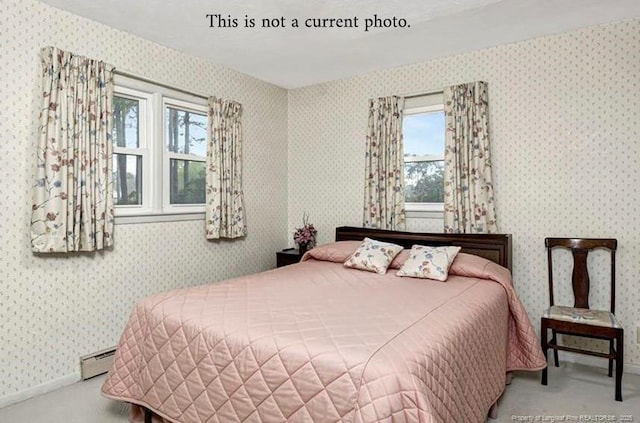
{"x":72,"y":207}
{"x":225,"y":214}
{"x":469,"y":203}
{"x":384,"y":166}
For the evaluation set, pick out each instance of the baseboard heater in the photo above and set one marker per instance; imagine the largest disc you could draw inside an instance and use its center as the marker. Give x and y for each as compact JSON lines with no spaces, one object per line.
{"x":96,"y":363}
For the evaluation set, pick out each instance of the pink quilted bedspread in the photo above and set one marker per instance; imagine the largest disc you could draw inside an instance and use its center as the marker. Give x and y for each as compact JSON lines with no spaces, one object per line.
{"x":316,"y":342}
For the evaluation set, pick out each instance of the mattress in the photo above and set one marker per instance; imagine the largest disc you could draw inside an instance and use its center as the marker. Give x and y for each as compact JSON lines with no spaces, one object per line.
{"x":317,"y":342}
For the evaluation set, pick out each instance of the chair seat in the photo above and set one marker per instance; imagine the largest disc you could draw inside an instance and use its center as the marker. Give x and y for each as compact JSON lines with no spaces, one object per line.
{"x":582,"y":315}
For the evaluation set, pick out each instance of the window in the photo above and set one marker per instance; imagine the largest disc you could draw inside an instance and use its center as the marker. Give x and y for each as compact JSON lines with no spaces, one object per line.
{"x":186,"y":153}
{"x":159,"y":145}
{"x":423,"y":132}
{"x":130,"y":152}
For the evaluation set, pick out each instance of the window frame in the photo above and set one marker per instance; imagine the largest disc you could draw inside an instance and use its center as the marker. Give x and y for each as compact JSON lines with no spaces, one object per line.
{"x":145,"y":149}
{"x":434,"y":209}
{"x":154,"y":182}
{"x":169,"y":155}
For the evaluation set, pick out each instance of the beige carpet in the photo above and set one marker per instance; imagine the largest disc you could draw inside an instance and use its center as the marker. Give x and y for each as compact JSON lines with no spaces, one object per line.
{"x":575,"y":393}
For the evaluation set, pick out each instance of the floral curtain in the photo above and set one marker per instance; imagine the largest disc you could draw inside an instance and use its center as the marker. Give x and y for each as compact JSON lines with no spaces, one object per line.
{"x":72,"y":206}
{"x":469,"y":204}
{"x":225,"y":215}
{"x":384,"y":166}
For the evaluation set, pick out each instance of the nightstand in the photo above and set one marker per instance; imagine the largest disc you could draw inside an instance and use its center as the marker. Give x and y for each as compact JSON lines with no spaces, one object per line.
{"x":287,"y":257}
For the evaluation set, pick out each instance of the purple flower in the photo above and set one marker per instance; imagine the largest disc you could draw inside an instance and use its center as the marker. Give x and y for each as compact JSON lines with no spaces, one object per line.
{"x":306,"y":234}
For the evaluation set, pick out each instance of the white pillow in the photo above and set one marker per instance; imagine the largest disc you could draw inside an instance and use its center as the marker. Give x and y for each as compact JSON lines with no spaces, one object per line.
{"x":429,"y":262}
{"x":373,"y":256}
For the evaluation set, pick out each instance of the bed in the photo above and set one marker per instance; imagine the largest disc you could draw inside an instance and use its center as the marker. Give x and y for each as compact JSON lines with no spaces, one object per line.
{"x":318,"y":342}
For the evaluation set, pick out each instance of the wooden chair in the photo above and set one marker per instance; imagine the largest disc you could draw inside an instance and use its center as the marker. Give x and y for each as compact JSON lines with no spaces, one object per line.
{"x":580,"y":320}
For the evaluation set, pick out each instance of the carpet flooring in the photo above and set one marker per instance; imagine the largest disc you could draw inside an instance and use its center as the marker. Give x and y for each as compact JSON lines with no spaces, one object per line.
{"x":575,"y":393}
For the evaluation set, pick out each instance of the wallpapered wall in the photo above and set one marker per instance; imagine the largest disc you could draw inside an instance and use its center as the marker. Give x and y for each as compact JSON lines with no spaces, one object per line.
{"x":565,"y":118}
{"x":54,"y":309}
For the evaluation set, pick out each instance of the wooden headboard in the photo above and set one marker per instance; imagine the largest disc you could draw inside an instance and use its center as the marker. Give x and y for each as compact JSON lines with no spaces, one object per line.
{"x":494,"y":247}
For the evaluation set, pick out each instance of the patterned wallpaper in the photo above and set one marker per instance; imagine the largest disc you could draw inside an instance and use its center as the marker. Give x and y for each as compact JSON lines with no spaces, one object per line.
{"x":565,"y":117}
{"x":54,"y":309}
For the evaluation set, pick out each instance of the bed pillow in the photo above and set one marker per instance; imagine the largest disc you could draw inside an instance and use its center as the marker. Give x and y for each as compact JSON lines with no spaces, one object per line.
{"x":373,"y":256}
{"x":429,"y":262}
{"x":336,"y":252}
{"x":400,"y":259}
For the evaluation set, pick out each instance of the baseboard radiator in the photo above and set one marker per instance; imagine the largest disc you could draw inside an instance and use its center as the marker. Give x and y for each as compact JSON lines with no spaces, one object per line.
{"x":96,"y":363}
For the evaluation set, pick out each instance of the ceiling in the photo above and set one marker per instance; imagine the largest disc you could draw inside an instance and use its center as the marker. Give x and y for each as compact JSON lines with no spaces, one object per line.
{"x":296,"y":57}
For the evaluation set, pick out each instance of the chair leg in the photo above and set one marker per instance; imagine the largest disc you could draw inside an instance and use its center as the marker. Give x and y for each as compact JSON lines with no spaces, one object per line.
{"x":619,"y":363}
{"x":611,"y":359}
{"x":554,"y":340}
{"x":545,"y":348}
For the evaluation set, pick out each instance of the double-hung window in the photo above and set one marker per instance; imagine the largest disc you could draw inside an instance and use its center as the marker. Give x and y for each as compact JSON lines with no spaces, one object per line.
{"x":159,"y":146}
{"x":423,"y":133}
{"x":185,"y":155}
{"x":132,"y":124}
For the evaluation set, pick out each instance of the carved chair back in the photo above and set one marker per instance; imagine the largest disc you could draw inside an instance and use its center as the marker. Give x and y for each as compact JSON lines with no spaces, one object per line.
{"x":580,"y":248}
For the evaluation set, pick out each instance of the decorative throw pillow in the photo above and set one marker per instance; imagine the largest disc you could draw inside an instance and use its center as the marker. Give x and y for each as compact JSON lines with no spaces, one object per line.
{"x":429,"y":262}
{"x":373,"y":256}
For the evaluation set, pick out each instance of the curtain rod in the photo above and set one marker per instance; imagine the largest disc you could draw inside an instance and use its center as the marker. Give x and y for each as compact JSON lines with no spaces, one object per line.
{"x":420,"y":94}
{"x":160,"y":84}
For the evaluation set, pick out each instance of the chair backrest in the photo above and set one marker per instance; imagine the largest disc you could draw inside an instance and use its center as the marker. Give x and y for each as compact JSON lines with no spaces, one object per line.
{"x":580,"y":248}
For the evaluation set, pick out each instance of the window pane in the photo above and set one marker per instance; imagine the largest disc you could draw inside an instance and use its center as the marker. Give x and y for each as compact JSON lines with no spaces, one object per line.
{"x":186,"y":132}
{"x":423,"y":134}
{"x":187,"y":181}
{"x":126,"y":123}
{"x":424,"y":182}
{"x":127,"y":179}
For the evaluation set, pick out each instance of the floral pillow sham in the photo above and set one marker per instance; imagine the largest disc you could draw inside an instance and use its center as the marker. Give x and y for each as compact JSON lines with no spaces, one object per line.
{"x":429,"y":262}
{"x":373,"y":256}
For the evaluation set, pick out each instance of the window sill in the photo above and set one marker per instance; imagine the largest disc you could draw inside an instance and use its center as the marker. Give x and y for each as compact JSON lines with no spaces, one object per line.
{"x":424,"y":210}
{"x":424,"y":214}
{"x":157,"y":217}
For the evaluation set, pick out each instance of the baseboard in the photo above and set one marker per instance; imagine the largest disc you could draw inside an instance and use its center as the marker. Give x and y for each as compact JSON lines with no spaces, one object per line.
{"x":592,"y":361}
{"x":34,"y":391}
